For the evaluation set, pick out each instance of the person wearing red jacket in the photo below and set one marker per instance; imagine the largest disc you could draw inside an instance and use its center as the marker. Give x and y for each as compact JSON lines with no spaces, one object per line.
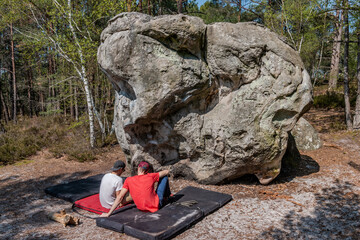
{"x":142,"y":189}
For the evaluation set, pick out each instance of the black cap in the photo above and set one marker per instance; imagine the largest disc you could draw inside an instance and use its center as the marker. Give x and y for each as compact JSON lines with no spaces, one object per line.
{"x":118,"y":165}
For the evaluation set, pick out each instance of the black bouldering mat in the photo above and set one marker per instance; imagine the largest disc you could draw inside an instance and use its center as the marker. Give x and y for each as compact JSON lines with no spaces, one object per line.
{"x":207,"y":201}
{"x":76,"y":190}
{"x":188,"y":206}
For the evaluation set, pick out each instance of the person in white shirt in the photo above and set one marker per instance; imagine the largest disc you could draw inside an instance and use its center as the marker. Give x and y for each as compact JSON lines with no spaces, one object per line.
{"x":111,"y":184}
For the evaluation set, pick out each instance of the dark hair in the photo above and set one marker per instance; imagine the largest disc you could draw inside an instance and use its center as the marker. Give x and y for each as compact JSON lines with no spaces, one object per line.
{"x":118,"y":165}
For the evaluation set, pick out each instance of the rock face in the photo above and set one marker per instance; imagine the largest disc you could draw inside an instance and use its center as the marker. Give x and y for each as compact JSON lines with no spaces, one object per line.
{"x":214,"y":101}
{"x":306,"y":137}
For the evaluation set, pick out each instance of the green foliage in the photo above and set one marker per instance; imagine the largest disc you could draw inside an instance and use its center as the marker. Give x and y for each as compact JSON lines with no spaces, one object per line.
{"x":62,"y":136}
{"x":19,"y":142}
{"x":329,"y":100}
{"x":217,"y":12}
{"x":333,"y":99}
{"x":109,"y":140}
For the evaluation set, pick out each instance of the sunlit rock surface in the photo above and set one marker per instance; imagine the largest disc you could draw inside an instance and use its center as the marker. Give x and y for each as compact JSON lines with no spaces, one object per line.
{"x":214,"y":101}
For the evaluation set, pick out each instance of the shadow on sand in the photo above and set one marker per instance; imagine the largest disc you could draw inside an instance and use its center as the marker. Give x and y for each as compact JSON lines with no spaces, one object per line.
{"x":304,"y":166}
{"x":355,"y":166}
{"x":22,"y":205}
{"x":336,"y":216}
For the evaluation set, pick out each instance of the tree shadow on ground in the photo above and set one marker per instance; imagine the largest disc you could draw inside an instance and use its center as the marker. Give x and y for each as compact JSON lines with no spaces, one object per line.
{"x":23,"y":204}
{"x":336,"y":216}
{"x":355,"y":166}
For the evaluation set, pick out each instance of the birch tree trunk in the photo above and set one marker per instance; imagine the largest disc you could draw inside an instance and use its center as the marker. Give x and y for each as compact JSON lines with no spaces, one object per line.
{"x":335,"y":57}
{"x":356,"y":123}
{"x":82,"y":74}
{"x":346,"y":69}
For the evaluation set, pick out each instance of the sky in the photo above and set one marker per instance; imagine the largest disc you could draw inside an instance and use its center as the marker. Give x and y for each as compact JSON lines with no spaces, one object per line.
{"x":200,"y":2}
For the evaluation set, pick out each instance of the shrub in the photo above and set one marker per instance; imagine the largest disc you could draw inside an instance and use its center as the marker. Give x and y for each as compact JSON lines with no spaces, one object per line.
{"x":329,"y":100}
{"x":62,"y":136}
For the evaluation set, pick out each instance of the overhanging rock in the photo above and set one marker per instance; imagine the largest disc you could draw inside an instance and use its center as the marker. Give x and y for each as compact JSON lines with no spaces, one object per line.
{"x":214,"y":101}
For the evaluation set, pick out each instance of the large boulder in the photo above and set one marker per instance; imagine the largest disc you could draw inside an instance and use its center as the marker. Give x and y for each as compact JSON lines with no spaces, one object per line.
{"x":214,"y":101}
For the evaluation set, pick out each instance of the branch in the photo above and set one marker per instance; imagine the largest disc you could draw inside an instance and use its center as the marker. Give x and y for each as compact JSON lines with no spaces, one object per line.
{"x":56,"y":44}
{"x":5,"y":69}
{"x":286,"y":22}
{"x":28,"y":36}
{"x":334,"y":9}
{"x":66,"y":79}
{"x":246,"y":9}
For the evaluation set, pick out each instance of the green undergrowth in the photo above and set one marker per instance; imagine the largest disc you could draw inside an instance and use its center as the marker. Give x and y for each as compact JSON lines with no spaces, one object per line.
{"x":333,"y":100}
{"x":59,"y":134}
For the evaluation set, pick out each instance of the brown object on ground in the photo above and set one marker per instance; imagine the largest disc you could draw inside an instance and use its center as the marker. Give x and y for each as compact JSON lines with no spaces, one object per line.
{"x":333,"y":146}
{"x":64,"y":219}
{"x":273,"y":195}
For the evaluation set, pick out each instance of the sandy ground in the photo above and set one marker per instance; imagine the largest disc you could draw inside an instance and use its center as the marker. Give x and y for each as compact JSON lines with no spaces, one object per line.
{"x":317,"y":200}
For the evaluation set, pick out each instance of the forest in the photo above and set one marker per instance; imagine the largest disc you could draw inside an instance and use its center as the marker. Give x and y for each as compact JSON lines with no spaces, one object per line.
{"x":53,"y":91}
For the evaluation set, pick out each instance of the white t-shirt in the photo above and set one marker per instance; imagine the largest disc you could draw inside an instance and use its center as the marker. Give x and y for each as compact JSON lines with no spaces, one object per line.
{"x":110,"y":183}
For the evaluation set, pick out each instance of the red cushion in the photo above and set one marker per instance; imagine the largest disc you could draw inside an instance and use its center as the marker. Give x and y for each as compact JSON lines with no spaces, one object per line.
{"x":91,"y":204}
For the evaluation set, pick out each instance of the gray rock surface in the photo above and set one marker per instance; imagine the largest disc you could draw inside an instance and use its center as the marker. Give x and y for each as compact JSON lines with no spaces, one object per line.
{"x":214,"y":102}
{"x":306,"y":137}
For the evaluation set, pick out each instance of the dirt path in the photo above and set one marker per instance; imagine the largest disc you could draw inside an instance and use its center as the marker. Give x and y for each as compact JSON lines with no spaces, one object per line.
{"x":318,"y":200}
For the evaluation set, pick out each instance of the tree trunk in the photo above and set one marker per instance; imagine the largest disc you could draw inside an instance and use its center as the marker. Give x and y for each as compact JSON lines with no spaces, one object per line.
{"x":335,"y":57}
{"x":29,"y":89}
{"x":51,"y":85}
{"x":13,"y":73}
{"x":76,"y":104}
{"x":4,"y":108}
{"x":346,"y":69}
{"x":140,"y":6}
{"x":239,"y":6}
{"x":128,"y":4}
{"x":42,"y":104}
{"x":179,"y":6}
{"x":160,"y":7}
{"x":82,"y":74}
{"x":71,"y":101}
{"x":149,"y":7}
{"x":56,"y":86}
{"x":356,"y":123}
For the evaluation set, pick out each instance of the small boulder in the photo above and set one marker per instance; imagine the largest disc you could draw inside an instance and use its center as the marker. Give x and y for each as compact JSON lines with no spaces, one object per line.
{"x":306,"y":137}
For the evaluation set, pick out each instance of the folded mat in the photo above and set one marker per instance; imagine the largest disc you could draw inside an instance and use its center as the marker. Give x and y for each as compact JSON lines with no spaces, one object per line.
{"x":76,"y":190}
{"x":189,"y":206}
{"x":92,"y":204}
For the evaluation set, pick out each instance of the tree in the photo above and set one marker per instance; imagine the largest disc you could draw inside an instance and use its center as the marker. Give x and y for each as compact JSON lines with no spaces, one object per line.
{"x":9,"y":16}
{"x":346,"y":67}
{"x":356,"y":122}
{"x":335,"y":57}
